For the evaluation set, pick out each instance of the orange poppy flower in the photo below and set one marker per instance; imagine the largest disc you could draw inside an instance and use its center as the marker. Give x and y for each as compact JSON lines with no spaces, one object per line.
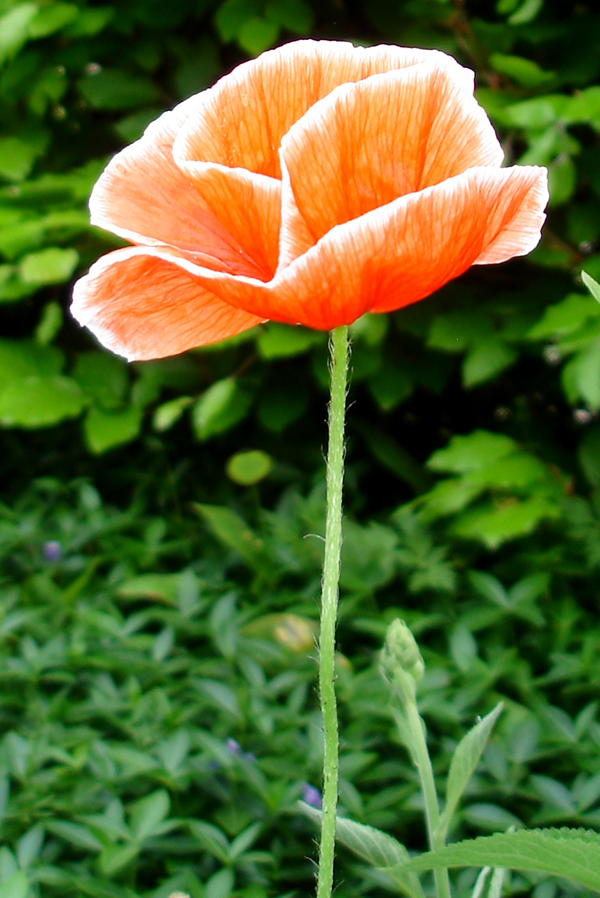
{"x":309,"y":186}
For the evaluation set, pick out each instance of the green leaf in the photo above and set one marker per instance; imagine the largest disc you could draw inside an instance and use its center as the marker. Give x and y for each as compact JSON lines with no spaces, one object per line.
{"x":167,"y":414}
{"x":464,"y":761}
{"x":16,"y":156}
{"x":526,"y":12}
{"x":17,"y":884}
{"x":248,"y":468}
{"x":592,"y":285}
{"x":51,"y":18}
{"x":90,"y":21}
{"x":102,"y":377}
{"x":148,"y":814}
{"x":40,"y":401}
{"x":14,"y":29}
{"x":279,"y":341}
{"x":494,"y":526}
{"x":583,"y":107}
{"x":220,"y":884}
{"x":294,"y":15}
{"x":589,"y":456}
{"x":220,"y":408}
{"x":114,"y":89}
{"x":104,"y":429}
{"x":257,"y":35}
{"x":115,"y":858}
{"x":468,"y":453}
{"x":376,"y":847}
{"x":48,"y":266}
{"x":232,"y":15}
{"x":29,"y":846}
{"x":230,"y":529}
{"x":49,"y":324}
{"x":28,"y":235}
{"x":569,"y":854}
{"x":562,"y":179}
{"x":391,"y":385}
{"x":565,"y":317}
{"x":23,"y":358}
{"x":74,"y":833}
{"x":244,"y":840}
{"x":486,"y":360}
{"x":457,"y":330}
{"x":158,"y":587}
{"x":523,"y":71}
{"x":581,"y":376}
{"x":211,"y":839}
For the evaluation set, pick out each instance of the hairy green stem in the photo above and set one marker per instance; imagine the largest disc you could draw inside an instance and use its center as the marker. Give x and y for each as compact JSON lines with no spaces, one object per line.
{"x":339,"y":349}
{"x":432,"y":810}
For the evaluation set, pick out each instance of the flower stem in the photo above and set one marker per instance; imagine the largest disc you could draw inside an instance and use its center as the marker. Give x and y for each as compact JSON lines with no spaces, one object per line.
{"x":432,"y":811}
{"x":339,"y":349}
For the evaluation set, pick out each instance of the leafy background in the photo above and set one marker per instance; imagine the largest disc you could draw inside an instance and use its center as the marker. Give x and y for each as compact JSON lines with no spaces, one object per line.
{"x":159,"y":550}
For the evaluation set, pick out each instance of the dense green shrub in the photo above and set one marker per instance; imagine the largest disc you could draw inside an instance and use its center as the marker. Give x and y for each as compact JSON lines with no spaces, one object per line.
{"x":139,"y":633}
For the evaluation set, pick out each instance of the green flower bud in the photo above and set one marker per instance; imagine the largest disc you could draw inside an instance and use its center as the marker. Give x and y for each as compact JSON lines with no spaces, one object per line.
{"x":401,"y":655}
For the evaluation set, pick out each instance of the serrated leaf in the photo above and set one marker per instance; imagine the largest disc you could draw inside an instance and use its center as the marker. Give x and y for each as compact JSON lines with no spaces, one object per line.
{"x":494,"y":526}
{"x":570,"y":854}
{"x":376,"y":847}
{"x":467,"y":453}
{"x":465,"y":760}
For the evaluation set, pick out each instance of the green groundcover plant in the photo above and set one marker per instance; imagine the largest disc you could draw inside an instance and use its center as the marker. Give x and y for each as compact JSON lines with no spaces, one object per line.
{"x":503,"y":516}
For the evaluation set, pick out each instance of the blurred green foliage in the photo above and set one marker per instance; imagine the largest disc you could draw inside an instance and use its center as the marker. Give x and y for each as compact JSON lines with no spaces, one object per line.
{"x":150,"y":618}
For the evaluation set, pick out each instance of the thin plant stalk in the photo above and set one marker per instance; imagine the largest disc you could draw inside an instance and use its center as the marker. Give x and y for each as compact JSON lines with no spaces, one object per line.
{"x":339,"y":353}
{"x":430,"y":798}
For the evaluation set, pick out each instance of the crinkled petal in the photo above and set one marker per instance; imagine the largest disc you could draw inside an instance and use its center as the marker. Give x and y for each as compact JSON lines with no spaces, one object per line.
{"x":389,"y":135}
{"x":402,"y":252}
{"x":247,"y":205}
{"x":241,"y":121}
{"x":145,"y":304}
{"x":143,"y":196}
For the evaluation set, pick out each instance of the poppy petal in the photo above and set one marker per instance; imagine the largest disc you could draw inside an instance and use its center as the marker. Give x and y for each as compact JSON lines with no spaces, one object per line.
{"x":387,"y":136}
{"x":402,"y":252}
{"x":144,"y":197}
{"x":143,"y":304}
{"x":247,"y":205}
{"x":241,"y":121}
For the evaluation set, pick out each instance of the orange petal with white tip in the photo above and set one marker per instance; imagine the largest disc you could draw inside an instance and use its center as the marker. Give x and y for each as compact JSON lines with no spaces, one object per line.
{"x":386,"y":137}
{"x":402,"y":252}
{"x":144,"y":304}
{"x":240,"y":122}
